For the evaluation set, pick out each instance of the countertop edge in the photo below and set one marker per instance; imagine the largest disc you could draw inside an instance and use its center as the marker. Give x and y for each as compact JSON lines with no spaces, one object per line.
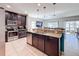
{"x":43,"y":34}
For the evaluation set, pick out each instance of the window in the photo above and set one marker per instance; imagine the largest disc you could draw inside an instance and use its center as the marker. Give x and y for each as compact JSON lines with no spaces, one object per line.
{"x":77,"y":24}
{"x":72,"y":26}
{"x":33,"y":25}
{"x":67,"y":26}
{"x":52,"y":24}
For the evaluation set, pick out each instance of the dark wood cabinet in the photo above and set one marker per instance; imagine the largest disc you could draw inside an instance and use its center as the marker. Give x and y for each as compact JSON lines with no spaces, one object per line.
{"x":41,"y":42}
{"x":46,"y":44}
{"x":35,"y":40}
{"x":38,"y":41}
{"x":52,"y":46}
{"x":21,"y":20}
{"x":11,"y":15}
{"x":7,"y":15}
{"x":15,"y":22}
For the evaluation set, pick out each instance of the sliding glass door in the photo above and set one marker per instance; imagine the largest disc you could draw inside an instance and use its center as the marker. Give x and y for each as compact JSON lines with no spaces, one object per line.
{"x":71,"y":26}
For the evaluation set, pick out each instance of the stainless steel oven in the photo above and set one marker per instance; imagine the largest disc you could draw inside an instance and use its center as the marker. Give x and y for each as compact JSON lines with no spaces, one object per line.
{"x":12,"y":35}
{"x":21,"y":33}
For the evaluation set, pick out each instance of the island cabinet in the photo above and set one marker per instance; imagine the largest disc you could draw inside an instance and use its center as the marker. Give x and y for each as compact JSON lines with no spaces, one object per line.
{"x":38,"y":41}
{"x":35,"y":40}
{"x":41,"y":43}
{"x":52,"y":46}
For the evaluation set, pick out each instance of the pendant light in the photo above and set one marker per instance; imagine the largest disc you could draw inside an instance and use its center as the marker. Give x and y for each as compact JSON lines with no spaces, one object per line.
{"x":44,"y":10}
{"x":54,"y":9}
{"x":37,"y":12}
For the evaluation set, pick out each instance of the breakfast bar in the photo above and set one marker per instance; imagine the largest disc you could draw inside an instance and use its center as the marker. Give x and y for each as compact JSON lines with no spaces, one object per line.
{"x":50,"y":43}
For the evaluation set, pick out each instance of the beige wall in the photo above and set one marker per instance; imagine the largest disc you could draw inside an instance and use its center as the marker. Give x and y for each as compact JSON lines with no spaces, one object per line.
{"x":2,"y":32}
{"x":61,"y":21}
{"x":29,"y":21}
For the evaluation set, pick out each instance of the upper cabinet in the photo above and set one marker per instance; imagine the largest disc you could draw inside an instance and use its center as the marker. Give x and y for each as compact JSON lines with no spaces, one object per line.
{"x":21,"y":20}
{"x":15,"y":19}
{"x":15,"y":23}
{"x":11,"y":16}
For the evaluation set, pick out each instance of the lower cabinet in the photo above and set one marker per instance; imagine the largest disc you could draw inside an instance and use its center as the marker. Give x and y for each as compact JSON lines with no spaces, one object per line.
{"x":35,"y":40}
{"x":38,"y":41}
{"x":41,"y":43}
{"x":51,"y":46}
{"x":48,"y":45}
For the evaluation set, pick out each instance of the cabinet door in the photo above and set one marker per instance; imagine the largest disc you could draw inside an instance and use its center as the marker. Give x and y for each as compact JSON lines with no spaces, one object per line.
{"x":41,"y":43}
{"x":7,"y":15}
{"x":23,"y":21}
{"x":35,"y":41}
{"x":52,"y":46}
{"x":19,"y":20}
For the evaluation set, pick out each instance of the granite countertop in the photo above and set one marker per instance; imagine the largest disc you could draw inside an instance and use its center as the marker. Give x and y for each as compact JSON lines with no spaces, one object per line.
{"x":48,"y":34}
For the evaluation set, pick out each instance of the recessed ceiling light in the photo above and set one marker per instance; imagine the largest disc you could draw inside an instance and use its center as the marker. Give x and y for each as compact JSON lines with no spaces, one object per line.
{"x":39,"y":4}
{"x":8,"y":6}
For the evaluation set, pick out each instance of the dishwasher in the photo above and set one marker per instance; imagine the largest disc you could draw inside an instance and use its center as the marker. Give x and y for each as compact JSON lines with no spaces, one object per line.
{"x":29,"y":38}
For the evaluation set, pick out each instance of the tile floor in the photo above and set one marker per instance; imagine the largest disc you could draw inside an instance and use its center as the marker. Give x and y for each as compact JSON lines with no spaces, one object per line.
{"x":21,"y":48}
{"x":71,"y":45}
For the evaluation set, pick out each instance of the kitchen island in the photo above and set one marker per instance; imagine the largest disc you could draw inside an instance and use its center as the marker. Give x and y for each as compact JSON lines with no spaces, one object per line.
{"x":50,"y":43}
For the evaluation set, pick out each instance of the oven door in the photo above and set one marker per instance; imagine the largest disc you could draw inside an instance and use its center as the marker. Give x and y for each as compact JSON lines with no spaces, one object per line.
{"x":12,"y":36}
{"x":21,"y":33}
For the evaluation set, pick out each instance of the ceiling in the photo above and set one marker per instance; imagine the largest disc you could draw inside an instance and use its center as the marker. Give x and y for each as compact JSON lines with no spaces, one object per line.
{"x":61,"y":9}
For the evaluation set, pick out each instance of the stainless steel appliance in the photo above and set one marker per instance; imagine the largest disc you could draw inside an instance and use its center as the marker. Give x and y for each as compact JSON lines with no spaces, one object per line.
{"x":12,"y":35}
{"x":21,"y":33}
{"x":29,"y":38}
